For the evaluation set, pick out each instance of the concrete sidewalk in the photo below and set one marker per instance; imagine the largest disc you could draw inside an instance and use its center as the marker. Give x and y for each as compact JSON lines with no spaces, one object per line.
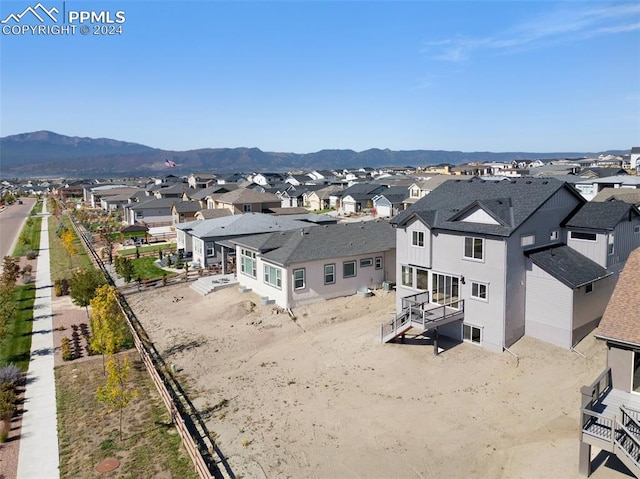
{"x":38,"y":457}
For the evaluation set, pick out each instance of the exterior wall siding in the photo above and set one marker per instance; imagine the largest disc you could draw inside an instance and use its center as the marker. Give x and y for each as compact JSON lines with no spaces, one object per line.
{"x":594,"y":250}
{"x":315,"y":288}
{"x":625,"y":241}
{"x":589,"y":308}
{"x":549,"y":308}
{"x":620,"y":360}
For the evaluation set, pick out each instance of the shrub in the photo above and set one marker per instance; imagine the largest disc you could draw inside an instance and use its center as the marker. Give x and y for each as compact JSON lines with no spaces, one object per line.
{"x":61,"y":287}
{"x":66,"y":349}
{"x":7,"y":402}
{"x":31,"y":254}
{"x":10,"y":374}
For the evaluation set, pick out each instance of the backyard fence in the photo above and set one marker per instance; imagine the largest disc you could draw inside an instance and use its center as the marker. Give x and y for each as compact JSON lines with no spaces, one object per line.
{"x":208,"y":460}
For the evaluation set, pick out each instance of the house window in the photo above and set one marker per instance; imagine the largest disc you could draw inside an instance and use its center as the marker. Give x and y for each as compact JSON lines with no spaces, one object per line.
{"x":527,"y":240}
{"x":471,"y":334}
{"x":246,"y":208}
{"x":329,"y":273}
{"x":588,"y":288}
{"x":474,"y":248}
{"x":579,"y":235}
{"x":348,"y":269}
{"x":445,"y":289}
{"x":479,"y":291}
{"x":415,"y":192}
{"x":636,"y":229}
{"x":554,"y":235}
{"x":248,"y":262}
{"x":298,"y":279}
{"x":422,"y":279}
{"x":273,"y":276}
{"x":197,"y":247}
{"x":364,"y":262}
{"x":210,"y":248}
{"x":139,"y":214}
{"x":417,"y":239}
{"x":610,"y":244}
{"x":378,"y":262}
{"x":407,"y":276}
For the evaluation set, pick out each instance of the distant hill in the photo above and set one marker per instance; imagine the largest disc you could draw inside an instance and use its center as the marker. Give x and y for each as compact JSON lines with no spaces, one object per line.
{"x":43,"y":153}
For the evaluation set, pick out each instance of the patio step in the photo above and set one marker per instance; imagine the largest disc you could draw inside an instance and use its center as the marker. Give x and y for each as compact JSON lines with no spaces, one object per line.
{"x":203,"y":286}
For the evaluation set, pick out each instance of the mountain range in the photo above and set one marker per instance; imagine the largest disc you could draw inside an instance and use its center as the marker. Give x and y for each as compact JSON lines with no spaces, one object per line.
{"x":45,"y":153}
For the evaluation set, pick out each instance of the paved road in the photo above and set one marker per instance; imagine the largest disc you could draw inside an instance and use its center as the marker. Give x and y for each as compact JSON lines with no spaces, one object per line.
{"x":11,"y":220}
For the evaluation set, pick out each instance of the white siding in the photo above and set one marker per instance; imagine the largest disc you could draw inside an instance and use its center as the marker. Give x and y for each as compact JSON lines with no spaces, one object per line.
{"x":589,"y":308}
{"x":479,"y":216}
{"x":594,"y":250}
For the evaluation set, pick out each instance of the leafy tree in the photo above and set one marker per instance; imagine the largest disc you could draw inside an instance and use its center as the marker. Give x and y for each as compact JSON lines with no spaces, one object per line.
{"x":84,"y":284}
{"x":107,"y":235}
{"x":116,"y":393}
{"x":108,"y":326}
{"x":127,"y":270}
{"x":67,"y":240}
{"x":8,"y":308}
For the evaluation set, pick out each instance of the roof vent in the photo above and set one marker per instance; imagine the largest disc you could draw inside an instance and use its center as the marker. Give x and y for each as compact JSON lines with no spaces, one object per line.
{"x":513,"y":182}
{"x":529,"y":182}
{"x":545,"y":182}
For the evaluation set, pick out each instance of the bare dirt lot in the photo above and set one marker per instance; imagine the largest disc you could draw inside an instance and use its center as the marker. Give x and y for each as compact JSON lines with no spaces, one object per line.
{"x":321,"y":397}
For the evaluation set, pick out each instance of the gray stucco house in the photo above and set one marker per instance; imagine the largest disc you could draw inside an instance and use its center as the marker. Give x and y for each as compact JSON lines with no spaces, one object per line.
{"x":320,"y":262}
{"x":475,"y":247}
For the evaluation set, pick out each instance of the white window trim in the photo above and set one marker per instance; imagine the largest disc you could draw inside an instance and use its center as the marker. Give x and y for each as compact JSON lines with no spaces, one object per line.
{"x":366,"y":262}
{"x":411,"y":269}
{"x":587,"y":286}
{"x":378,"y":262}
{"x":479,"y":298}
{"x":413,"y":239}
{"x":304,"y":279}
{"x":527,"y":240}
{"x":464,"y":249}
{"x":633,"y":363}
{"x":470,"y":341}
{"x":553,"y":233}
{"x":278,"y":276}
{"x":583,"y":239}
{"x":333,"y":265}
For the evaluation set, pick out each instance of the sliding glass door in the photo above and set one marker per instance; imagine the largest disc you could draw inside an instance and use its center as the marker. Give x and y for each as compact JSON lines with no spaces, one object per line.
{"x":445,"y":289}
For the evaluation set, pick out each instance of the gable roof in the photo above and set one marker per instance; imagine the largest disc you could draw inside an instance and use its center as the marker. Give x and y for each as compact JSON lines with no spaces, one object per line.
{"x":602,"y":215}
{"x":217,"y":213}
{"x":154,"y":203}
{"x":510,"y":202}
{"x":568,"y":265}
{"x":186,"y":206}
{"x":629,"y":195}
{"x":621,"y":319}
{"x":322,"y":242}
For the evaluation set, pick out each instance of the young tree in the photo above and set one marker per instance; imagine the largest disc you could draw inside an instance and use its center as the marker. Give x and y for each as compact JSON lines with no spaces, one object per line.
{"x":108,"y":326}
{"x":84,"y":284}
{"x":67,"y":240}
{"x":127,"y":270}
{"x":8,"y":308}
{"x":116,"y":393}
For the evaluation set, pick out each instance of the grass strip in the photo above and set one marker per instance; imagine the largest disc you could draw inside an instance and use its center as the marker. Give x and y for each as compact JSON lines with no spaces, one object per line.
{"x":16,"y":346}
{"x":62,"y":265}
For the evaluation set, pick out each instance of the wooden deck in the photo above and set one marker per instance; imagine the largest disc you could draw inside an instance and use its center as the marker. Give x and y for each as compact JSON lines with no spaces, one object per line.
{"x":423,"y":317}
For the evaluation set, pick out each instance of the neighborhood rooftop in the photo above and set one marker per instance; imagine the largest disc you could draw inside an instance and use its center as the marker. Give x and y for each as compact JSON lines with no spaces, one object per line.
{"x":247,"y":223}
{"x":602,"y":215}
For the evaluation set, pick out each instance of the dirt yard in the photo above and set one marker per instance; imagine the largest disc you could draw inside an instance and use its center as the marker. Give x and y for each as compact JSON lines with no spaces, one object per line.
{"x":321,"y":397}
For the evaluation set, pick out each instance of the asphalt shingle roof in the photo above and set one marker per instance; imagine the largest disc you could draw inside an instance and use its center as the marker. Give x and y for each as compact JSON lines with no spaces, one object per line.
{"x":568,"y":266}
{"x":601,"y":215}
{"x":510,"y":202}
{"x":236,"y":225}
{"x":621,"y":319}
{"x":323,"y":242}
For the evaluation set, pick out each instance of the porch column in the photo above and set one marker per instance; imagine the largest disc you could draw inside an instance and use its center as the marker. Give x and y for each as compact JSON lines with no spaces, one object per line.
{"x":223,"y":250}
{"x":584,"y":464}
{"x":435,"y":342}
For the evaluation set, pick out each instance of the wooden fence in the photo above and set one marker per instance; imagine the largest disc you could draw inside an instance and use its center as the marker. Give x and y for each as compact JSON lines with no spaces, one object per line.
{"x":208,"y":460}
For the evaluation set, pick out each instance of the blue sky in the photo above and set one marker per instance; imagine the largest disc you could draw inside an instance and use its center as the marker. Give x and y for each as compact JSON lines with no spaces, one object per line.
{"x":303,"y":76}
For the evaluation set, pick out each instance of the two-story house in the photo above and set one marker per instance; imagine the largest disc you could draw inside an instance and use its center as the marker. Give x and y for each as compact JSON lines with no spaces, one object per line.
{"x":462,"y":248}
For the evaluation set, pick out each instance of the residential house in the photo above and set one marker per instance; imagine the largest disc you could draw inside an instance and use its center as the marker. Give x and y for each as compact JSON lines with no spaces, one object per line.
{"x":606,"y":232}
{"x":244,"y":200}
{"x":210,"y":214}
{"x":184,"y":211}
{"x":151,"y":212}
{"x":590,"y":187}
{"x":422,"y":188}
{"x":175,"y":190}
{"x":390,"y":201}
{"x":634,"y":158}
{"x":201,"y":239}
{"x":462,"y":247}
{"x":359,"y":197}
{"x":201,"y":180}
{"x":321,"y":199}
{"x":628,"y":195}
{"x":301,"y":266}
{"x":268,"y":179}
{"x":609,"y":410}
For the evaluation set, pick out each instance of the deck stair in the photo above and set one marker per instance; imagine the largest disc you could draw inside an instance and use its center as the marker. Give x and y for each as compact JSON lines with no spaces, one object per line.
{"x":420,"y":314}
{"x":208,"y":284}
{"x":611,"y":425}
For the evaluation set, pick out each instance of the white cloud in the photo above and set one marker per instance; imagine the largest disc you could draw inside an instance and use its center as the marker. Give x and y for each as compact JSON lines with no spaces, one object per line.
{"x":559,"y":26}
